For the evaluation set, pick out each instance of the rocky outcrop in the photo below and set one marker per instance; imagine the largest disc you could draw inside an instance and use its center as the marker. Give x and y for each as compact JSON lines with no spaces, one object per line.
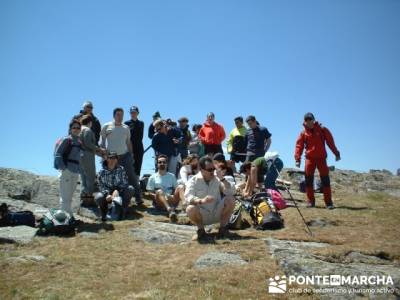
{"x":297,"y":258}
{"x":18,"y":234}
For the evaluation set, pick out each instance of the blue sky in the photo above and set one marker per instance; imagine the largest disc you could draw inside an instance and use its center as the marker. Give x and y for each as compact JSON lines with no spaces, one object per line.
{"x":274,"y":59}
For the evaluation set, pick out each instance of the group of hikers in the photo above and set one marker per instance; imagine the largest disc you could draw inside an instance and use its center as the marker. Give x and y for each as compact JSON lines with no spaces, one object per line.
{"x":191,"y":171}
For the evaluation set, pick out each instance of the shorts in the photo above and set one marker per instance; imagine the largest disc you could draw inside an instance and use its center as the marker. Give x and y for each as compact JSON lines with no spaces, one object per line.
{"x":211,"y":214}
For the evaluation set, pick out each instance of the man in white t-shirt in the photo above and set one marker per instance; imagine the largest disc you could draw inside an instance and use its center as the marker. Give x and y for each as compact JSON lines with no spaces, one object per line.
{"x":162,"y":186}
{"x":116,"y":137}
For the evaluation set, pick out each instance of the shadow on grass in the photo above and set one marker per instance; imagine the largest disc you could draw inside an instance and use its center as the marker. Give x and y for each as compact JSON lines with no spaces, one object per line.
{"x":94,"y":227}
{"x":352,"y":207}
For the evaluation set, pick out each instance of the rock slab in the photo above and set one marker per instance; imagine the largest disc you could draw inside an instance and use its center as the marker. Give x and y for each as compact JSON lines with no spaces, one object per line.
{"x":296,"y":258}
{"x":18,"y":234}
{"x":218,"y":259}
{"x":163,"y":233}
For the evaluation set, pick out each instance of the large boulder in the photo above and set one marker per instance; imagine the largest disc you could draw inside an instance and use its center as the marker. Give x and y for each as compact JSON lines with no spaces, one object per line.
{"x":17,"y":234}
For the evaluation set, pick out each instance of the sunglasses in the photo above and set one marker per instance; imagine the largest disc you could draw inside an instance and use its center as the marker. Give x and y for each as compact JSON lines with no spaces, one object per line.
{"x":308,"y":119}
{"x":162,"y":162}
{"x":112,"y":157}
{"x":74,"y":127}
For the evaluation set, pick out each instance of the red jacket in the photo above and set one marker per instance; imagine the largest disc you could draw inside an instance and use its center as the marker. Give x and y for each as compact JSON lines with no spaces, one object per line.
{"x":314,"y":142}
{"x":212,"y":134}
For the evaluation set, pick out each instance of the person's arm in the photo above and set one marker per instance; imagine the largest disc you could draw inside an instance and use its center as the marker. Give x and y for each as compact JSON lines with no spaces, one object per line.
{"x":190,"y":196}
{"x":267,"y":144}
{"x":122,"y":178}
{"x":183,"y":172}
{"x":330,"y":142}
{"x":140,"y":131}
{"x":103,"y":186}
{"x":59,"y":154}
{"x":128,"y":140}
{"x":299,"y":149}
{"x":201,"y":135}
{"x":229,"y":142}
{"x":103,"y":135}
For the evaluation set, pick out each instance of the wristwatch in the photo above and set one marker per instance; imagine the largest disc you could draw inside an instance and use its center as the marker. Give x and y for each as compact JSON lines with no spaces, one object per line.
{"x":222,"y":179}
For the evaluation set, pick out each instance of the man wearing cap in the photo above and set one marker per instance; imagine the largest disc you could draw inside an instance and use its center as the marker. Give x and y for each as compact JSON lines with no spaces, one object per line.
{"x":136,"y":127}
{"x":187,"y":136}
{"x":116,"y":137}
{"x":87,"y":109}
{"x":212,"y":135}
{"x":151,"y":131}
{"x":257,"y":139}
{"x":313,"y":139}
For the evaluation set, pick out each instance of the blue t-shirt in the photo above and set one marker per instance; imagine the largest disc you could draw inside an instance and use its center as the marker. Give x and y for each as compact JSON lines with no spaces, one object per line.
{"x":255,"y":140}
{"x":166,"y":182}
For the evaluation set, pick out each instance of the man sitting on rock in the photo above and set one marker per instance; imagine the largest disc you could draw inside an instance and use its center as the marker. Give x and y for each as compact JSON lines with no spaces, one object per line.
{"x":210,"y":199}
{"x":162,"y":186}
{"x":113,"y":183}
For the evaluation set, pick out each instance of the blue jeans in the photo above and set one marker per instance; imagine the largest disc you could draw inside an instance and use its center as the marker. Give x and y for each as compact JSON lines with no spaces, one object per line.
{"x":272,"y":173}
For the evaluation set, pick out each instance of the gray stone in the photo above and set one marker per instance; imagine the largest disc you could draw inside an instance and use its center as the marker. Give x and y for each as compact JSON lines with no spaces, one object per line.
{"x":357,"y":257}
{"x":18,"y":234}
{"x":163,"y":233}
{"x":296,"y":258}
{"x":89,"y":234}
{"x":26,"y":258}
{"x":19,"y":205}
{"x":320,"y":222}
{"x":218,"y":259}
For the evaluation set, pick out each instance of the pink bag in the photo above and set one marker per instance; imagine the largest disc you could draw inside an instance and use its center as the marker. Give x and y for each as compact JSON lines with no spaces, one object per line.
{"x":277,"y":198}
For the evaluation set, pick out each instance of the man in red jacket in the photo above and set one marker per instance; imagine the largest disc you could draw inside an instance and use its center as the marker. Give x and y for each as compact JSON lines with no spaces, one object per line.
{"x":212,"y":135}
{"x":313,"y":138}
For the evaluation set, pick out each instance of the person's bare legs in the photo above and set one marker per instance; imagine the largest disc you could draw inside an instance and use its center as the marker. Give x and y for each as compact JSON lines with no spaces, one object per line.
{"x":194,"y":215}
{"x":167,"y":202}
{"x":229,"y":206}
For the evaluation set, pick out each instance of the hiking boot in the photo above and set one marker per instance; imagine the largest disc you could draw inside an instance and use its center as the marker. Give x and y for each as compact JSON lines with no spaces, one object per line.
{"x":201,"y":236}
{"x":223,"y":232}
{"x":172,"y":216}
{"x":141,"y":205}
{"x":330,"y":206}
{"x":310,"y":204}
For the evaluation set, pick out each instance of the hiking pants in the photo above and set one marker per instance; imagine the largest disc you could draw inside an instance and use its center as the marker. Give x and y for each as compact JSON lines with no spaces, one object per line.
{"x":126,"y":160}
{"x":310,"y":166}
{"x":126,"y":195}
{"x":88,"y":173}
{"x":138,"y":159}
{"x":272,"y":173}
{"x":68,"y":183}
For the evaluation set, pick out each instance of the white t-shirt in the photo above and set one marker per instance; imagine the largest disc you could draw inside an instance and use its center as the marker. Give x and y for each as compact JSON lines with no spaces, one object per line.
{"x":115,"y":138}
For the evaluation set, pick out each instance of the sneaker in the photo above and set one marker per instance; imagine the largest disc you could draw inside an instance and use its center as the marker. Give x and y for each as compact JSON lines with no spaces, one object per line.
{"x":201,"y":236}
{"x":141,"y":205}
{"x":310,"y":204}
{"x":330,"y":206}
{"x":172,"y":216}
{"x":223,"y":232}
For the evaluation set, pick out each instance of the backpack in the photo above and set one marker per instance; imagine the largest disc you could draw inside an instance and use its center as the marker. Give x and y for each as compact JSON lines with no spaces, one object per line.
{"x":277,"y":199}
{"x":58,"y":222}
{"x":67,"y":150}
{"x":8,"y":218}
{"x":235,"y":220}
{"x":264,"y":213}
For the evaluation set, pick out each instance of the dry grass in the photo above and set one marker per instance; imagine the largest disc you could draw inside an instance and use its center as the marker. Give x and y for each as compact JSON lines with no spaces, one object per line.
{"x":116,"y":266}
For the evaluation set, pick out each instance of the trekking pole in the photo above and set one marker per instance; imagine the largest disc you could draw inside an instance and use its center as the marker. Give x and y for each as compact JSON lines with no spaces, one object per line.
{"x":147,"y":149}
{"x":291,"y":197}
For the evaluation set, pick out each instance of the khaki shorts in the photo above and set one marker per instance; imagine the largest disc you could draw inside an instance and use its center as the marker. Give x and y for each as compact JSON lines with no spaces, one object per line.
{"x":211,"y":214}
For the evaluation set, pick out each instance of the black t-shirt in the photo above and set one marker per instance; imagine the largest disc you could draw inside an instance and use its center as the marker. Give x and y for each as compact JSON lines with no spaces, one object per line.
{"x":255,"y":140}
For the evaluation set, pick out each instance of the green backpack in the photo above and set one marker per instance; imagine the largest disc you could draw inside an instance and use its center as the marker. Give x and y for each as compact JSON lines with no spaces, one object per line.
{"x":58,"y":222}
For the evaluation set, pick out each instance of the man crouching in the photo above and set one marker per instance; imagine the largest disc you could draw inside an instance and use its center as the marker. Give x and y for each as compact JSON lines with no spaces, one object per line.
{"x":210,"y":199}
